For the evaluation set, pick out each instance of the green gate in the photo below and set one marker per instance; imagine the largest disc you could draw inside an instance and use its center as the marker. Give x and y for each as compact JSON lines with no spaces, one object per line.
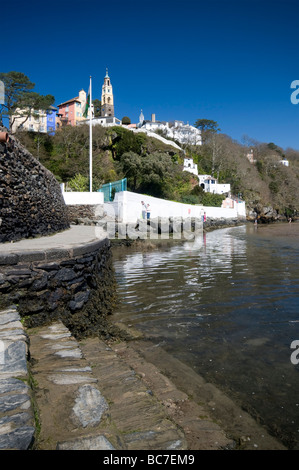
{"x":110,"y":189}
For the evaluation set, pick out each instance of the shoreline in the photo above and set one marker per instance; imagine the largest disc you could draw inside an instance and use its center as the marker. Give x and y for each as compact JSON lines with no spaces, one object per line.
{"x":233,"y":419}
{"x":150,"y":360}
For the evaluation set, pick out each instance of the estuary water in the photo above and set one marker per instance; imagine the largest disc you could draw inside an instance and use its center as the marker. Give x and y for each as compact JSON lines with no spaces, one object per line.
{"x":227,"y":305}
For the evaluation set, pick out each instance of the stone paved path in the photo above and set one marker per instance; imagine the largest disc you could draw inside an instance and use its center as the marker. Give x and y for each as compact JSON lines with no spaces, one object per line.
{"x":93,"y":396}
{"x":90,"y":397}
{"x":17,"y":426}
{"x":72,"y":410}
{"x":82,"y":407}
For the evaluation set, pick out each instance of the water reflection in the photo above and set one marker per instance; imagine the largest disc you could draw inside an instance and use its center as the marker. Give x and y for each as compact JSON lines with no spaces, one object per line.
{"x":227,"y":305}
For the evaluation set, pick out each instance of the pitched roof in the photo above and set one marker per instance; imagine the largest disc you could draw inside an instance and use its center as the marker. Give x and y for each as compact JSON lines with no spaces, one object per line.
{"x":70,"y":101}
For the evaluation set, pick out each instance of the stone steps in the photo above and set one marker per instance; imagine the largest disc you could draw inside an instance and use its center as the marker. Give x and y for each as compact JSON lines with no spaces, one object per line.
{"x":17,"y":426}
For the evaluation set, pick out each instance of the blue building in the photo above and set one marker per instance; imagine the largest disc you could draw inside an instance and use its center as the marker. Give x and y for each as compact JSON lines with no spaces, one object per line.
{"x":51,"y":120}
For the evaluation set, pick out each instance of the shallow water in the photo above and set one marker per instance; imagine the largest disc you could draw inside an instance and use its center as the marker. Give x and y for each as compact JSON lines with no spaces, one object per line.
{"x":226,"y":305}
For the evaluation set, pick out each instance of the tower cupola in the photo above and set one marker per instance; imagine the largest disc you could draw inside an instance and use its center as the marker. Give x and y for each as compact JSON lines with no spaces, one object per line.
{"x":107,"y":108}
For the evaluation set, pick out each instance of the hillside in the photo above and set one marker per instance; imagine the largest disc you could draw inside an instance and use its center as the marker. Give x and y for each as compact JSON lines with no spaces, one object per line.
{"x":269,"y":188}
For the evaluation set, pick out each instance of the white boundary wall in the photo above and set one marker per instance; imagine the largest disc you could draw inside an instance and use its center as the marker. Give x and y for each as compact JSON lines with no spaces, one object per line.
{"x":83,"y":198}
{"x":157,"y":136}
{"x":127,"y":207}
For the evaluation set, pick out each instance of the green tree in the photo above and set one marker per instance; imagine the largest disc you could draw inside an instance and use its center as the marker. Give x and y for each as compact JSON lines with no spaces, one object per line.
{"x":132,"y":168}
{"x":208,"y":127}
{"x":79,"y":183}
{"x":97,"y":107}
{"x":157,"y":169}
{"x":126,"y":120}
{"x":124,"y":140}
{"x":20,"y":100}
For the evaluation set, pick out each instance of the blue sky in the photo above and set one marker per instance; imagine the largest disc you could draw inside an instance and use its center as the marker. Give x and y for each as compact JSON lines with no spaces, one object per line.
{"x":230,"y":61}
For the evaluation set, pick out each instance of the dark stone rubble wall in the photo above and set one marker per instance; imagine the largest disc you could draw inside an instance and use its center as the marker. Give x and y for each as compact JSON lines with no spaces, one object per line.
{"x":79,"y":289}
{"x":85,"y":214}
{"x":31,"y":202}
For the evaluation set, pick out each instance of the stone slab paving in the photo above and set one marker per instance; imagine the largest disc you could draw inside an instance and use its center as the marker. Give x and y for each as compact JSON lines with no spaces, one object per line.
{"x":89,"y":398}
{"x":92,"y":396}
{"x":135,"y":411}
{"x":17,"y":426}
{"x":74,"y":237}
{"x":73,"y":413}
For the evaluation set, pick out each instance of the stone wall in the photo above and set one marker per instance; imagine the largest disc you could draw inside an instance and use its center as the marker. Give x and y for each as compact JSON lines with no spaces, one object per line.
{"x":31,"y":202}
{"x":78,"y":289}
{"x":87,"y":214}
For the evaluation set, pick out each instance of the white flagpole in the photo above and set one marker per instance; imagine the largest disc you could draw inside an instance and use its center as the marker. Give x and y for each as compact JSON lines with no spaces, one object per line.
{"x":90,"y":141}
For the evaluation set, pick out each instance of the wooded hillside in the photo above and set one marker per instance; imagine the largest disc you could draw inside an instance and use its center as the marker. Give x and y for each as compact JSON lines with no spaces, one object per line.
{"x":153,"y":168}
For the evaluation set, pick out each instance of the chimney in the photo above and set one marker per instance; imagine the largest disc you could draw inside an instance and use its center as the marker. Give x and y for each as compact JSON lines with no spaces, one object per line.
{"x":153,"y":118}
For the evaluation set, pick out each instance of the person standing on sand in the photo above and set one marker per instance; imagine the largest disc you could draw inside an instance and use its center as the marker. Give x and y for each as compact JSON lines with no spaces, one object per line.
{"x":148,"y":211}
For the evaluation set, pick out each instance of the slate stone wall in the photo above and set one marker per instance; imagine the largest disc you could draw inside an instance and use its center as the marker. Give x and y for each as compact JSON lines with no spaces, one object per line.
{"x":31,"y":202}
{"x":85,"y":214}
{"x":78,"y":289}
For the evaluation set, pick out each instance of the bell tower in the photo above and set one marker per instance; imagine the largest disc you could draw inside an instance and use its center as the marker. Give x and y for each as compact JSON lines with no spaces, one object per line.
{"x":107,"y":108}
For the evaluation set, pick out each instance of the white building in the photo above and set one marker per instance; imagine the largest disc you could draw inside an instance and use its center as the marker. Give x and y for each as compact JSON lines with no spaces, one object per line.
{"x":36,"y":121}
{"x":284,"y":162}
{"x":250,"y":157}
{"x":177,"y":130}
{"x":190,"y":166}
{"x":207,"y":182}
{"x":105,"y":121}
{"x":210,"y":185}
{"x":184,"y":133}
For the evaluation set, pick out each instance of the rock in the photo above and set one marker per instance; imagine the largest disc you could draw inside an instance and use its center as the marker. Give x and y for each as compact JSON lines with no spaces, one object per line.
{"x":89,"y":406}
{"x":15,"y":353}
{"x":87,"y":443}
{"x":65,"y":274}
{"x":19,"y":439}
{"x":79,"y":300}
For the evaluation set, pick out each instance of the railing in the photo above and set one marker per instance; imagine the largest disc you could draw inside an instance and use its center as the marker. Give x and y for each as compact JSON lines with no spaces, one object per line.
{"x":110,"y":189}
